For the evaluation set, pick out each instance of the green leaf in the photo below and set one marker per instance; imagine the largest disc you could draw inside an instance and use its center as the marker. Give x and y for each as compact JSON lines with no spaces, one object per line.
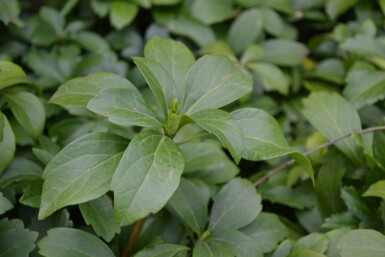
{"x":299,"y":198}
{"x":283,"y":52}
{"x":28,"y":110}
{"x":99,"y":213}
{"x":9,"y":12}
{"x":212,"y":11}
{"x":7,"y":143}
{"x":263,"y":135}
{"x":11,"y":74}
{"x":376,"y":189}
{"x":245,"y":30}
{"x":314,"y":241}
{"x":328,"y":184}
{"x":50,"y":26}
{"x":124,"y":106}
{"x":199,"y":33}
{"x":365,"y":87}
{"x":266,"y":231}
{"x":367,"y":47}
{"x":240,"y":244}
{"x":272,"y":22}
{"x":122,"y":13}
{"x":147,"y":176}
{"x":163,"y":250}
{"x":15,"y":240}
{"x":335,"y":8}
{"x":189,"y":204}
{"x":81,"y":171}
{"x":176,"y":59}
{"x":211,"y":248}
{"x":305,"y":253}
{"x":356,"y":203}
{"x":207,"y":161}
{"x":236,"y":205}
{"x":222,"y":125}
{"x":304,"y":163}
{"x":79,"y":91}
{"x":272,"y":77}
{"x":214,"y":81}
{"x":362,"y":243}
{"x":334,"y":117}
{"x":20,"y":169}
{"x":283,"y":249}
{"x":64,"y":242}
{"x":379,"y":147}
{"x":32,"y":194}
{"x":5,"y":204}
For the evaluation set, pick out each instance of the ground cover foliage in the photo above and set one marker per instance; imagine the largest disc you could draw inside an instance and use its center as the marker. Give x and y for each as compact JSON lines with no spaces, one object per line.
{"x":196,"y":128}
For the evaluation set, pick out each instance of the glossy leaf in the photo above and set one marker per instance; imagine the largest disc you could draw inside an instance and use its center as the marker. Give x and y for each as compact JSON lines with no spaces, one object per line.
{"x":99,"y":213}
{"x":176,"y":59}
{"x":15,"y":240}
{"x":222,"y":125}
{"x":266,"y":231}
{"x":283,"y":52}
{"x":81,"y":171}
{"x":11,"y":74}
{"x":147,"y":176}
{"x":7,"y":143}
{"x":334,"y":117}
{"x":248,"y":26}
{"x":64,"y":242}
{"x":28,"y":110}
{"x":362,"y":243}
{"x":263,"y":136}
{"x":365,"y":87}
{"x":79,"y":91}
{"x":214,"y":81}
{"x":236,"y":205}
{"x":123,"y":106}
{"x":189,"y":204}
{"x":272,"y":77}
{"x":122,"y":13}
{"x":212,"y":11}
{"x":163,"y":250}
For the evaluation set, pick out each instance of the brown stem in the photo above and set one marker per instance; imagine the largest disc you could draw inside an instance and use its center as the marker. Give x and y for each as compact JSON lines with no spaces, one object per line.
{"x":313,"y":150}
{"x":134,"y":237}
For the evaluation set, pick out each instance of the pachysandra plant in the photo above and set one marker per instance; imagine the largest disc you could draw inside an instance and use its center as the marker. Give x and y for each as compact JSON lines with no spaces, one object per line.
{"x":144,"y":173}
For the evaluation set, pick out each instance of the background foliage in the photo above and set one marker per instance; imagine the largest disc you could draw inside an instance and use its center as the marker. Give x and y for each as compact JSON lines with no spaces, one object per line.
{"x":98,"y":96}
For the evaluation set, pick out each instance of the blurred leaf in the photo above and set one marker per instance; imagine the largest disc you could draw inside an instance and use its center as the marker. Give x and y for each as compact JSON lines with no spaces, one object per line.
{"x":91,"y":41}
{"x":379,"y":147}
{"x":315,"y":241}
{"x":199,"y":33}
{"x":99,"y":213}
{"x":214,"y":81}
{"x":16,"y":241}
{"x":236,"y":205}
{"x":376,"y":189}
{"x":9,"y":12}
{"x":189,"y":204}
{"x":67,"y":176}
{"x":79,"y":91}
{"x":355,"y":203}
{"x":28,"y":110}
{"x":283,"y":249}
{"x":124,"y":106}
{"x":266,"y":231}
{"x":299,"y":198}
{"x":50,"y":28}
{"x":335,"y":8}
{"x":150,"y":166}
{"x":163,"y":250}
{"x":365,"y":87}
{"x":212,"y":11}
{"x":283,"y":52}
{"x":122,"y":13}
{"x":366,"y":47}
{"x":222,"y":125}
{"x":272,"y":77}
{"x":245,"y":30}
{"x":5,"y":204}
{"x":32,"y":194}
{"x":334,"y":117}
{"x":11,"y":74}
{"x":305,"y":253}
{"x":61,"y":242}
{"x":272,"y":22}
{"x":362,"y":243}
{"x":7,"y":143}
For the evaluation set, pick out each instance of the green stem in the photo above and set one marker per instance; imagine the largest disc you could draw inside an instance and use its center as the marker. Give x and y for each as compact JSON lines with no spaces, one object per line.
{"x":313,"y":150}
{"x":134,"y":237}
